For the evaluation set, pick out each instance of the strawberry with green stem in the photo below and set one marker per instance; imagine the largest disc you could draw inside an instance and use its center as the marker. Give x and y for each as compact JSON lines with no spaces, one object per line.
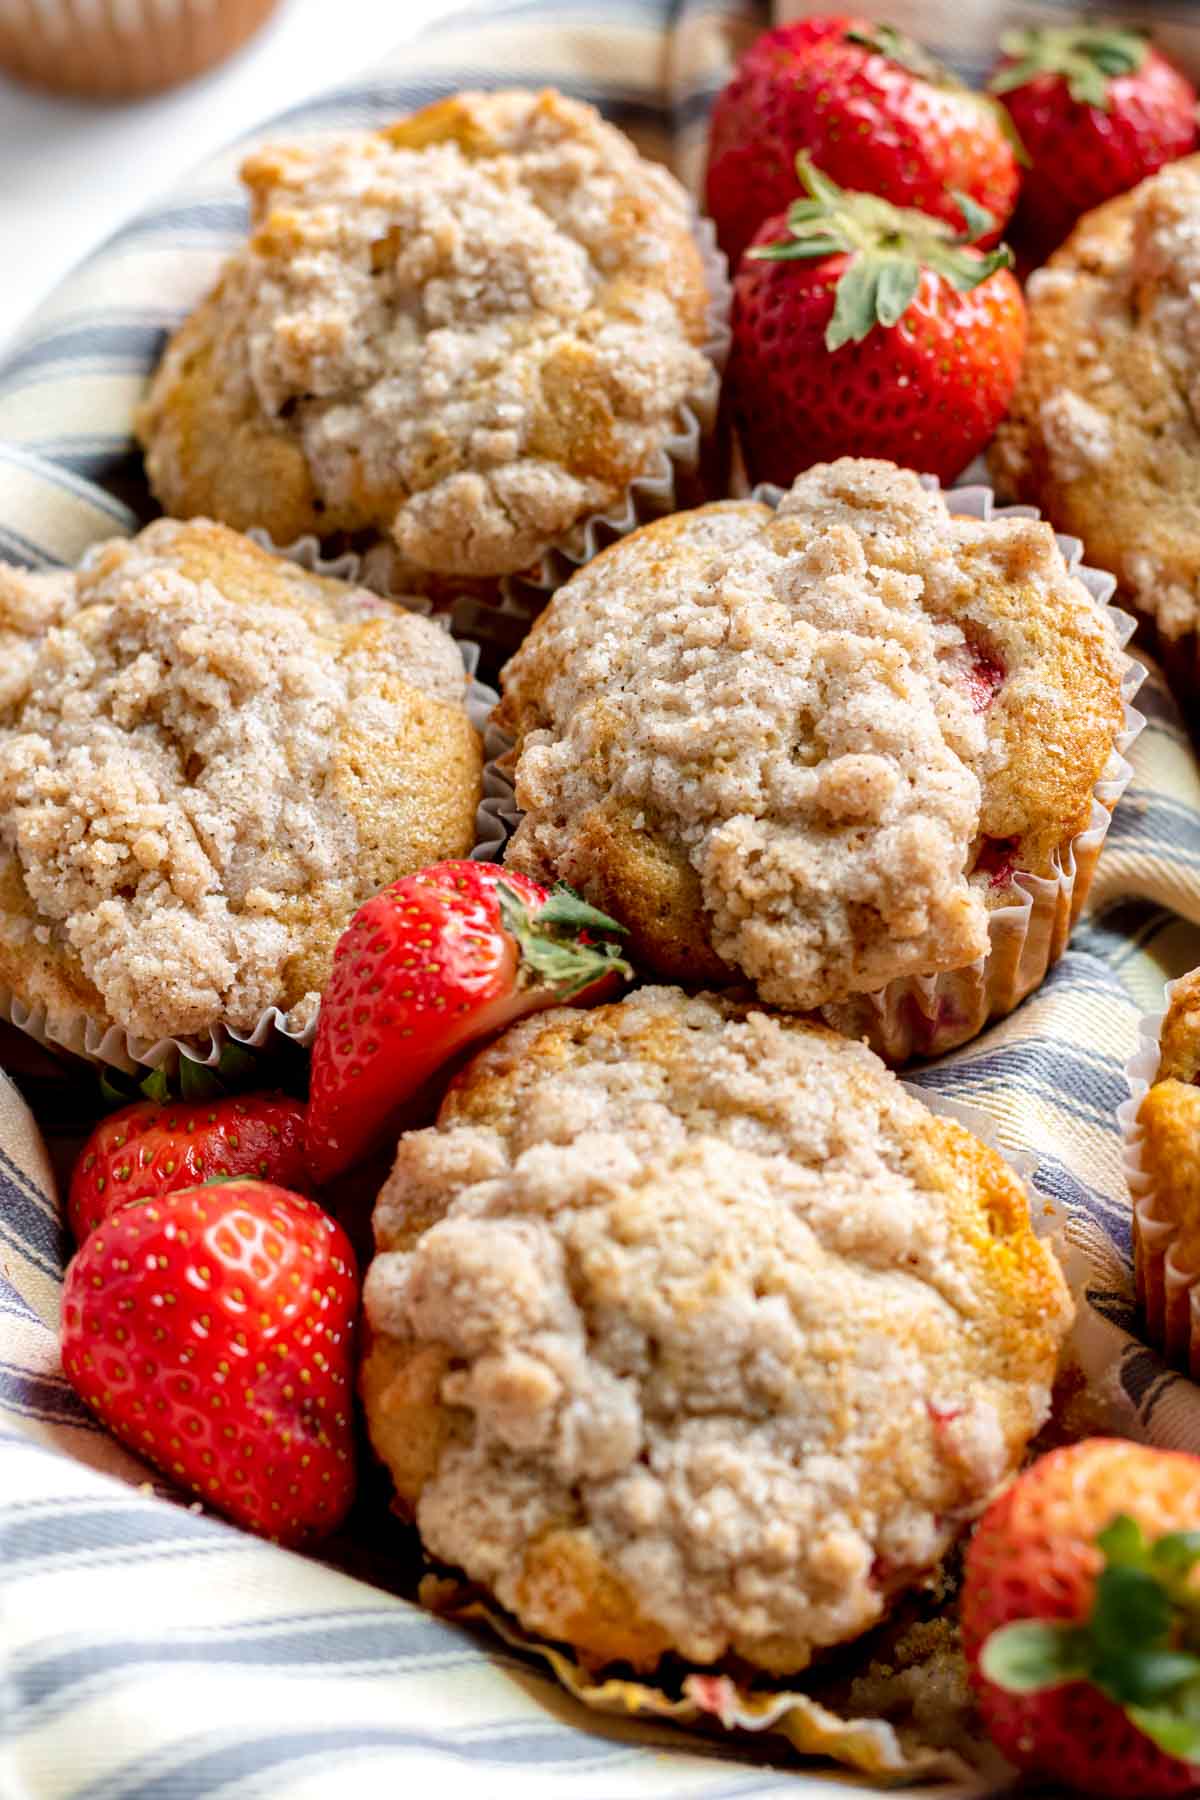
{"x":871,"y":108}
{"x":1081,"y":1619}
{"x":1097,"y":109}
{"x":427,"y":967}
{"x":864,"y":329}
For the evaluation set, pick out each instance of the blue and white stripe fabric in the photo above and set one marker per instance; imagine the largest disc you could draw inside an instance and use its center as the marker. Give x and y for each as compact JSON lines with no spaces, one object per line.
{"x":151,"y":1653}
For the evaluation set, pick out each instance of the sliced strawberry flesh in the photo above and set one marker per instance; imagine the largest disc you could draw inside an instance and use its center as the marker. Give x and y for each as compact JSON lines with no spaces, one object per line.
{"x":998,"y":860}
{"x":984,"y":677}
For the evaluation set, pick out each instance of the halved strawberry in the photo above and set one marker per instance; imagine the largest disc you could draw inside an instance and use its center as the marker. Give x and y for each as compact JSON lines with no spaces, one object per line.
{"x":427,"y":966}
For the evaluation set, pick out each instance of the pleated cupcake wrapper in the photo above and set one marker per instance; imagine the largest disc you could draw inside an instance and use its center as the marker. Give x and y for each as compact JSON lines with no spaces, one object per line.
{"x":817,"y":1723}
{"x":101,"y":1041}
{"x":121,"y":47}
{"x":1168,"y":1291}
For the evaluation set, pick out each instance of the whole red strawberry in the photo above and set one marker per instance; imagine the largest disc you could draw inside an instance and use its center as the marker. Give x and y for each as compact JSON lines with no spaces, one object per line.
{"x":434,"y":962}
{"x":1081,"y":1619}
{"x":211,"y":1330}
{"x":150,"y":1148}
{"x":1097,"y":110}
{"x":872,"y":109}
{"x":863,"y":330}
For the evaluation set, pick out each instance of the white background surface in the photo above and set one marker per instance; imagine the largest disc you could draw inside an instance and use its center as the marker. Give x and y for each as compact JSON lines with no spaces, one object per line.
{"x":71,"y":171}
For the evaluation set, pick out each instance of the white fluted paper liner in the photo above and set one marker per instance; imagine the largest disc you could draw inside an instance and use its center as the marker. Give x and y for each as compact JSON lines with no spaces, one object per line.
{"x":926,"y":1015}
{"x":100,"y":1041}
{"x":1168,"y":1292}
{"x":828,"y":1721}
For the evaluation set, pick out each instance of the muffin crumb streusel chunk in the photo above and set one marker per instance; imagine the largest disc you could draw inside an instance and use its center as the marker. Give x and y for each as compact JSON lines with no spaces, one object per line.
{"x":466,"y":332}
{"x":812,"y":747}
{"x":693,"y":1332}
{"x":208,"y":759}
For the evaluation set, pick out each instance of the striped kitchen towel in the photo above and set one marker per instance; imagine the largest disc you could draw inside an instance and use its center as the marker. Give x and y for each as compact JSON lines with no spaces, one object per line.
{"x":148,"y":1652}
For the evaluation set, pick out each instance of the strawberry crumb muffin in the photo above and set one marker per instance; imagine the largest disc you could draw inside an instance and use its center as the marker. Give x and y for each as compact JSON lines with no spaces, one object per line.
{"x":208,"y":759}
{"x":1104,"y":429}
{"x":817,"y":749}
{"x":1166,"y":1168}
{"x":751,"y":1335}
{"x":464,"y":334}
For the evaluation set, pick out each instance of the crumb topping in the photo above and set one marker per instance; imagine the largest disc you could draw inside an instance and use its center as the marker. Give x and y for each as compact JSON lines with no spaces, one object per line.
{"x":477,"y":325}
{"x":1104,"y":428}
{"x":713,"y":1298}
{"x":825,"y":713}
{"x":186,"y":790}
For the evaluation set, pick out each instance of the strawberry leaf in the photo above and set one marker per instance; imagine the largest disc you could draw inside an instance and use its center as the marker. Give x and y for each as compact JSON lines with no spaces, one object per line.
{"x":1028,"y":1656}
{"x":1148,"y":1677}
{"x":887,"y":248}
{"x":885,"y":40}
{"x":1175,"y":1729}
{"x":896,"y":289}
{"x":1087,"y":58}
{"x":197,"y":1081}
{"x":854,"y":307}
{"x":157,"y":1086}
{"x":113,"y":1092}
{"x":1123,"y":1543}
{"x":793,"y":248}
{"x":551,"y":952}
{"x":1177,"y":1553}
{"x":1130,"y":1608}
{"x":566,"y":907}
{"x":978,"y":220}
{"x":821,"y":187}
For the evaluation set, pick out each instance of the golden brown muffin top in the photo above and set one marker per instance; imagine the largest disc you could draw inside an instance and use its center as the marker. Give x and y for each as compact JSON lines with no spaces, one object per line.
{"x":1179,"y":1037}
{"x":776,"y":743}
{"x":1170,"y":1121}
{"x":468,"y":331}
{"x":691,"y":1329}
{"x":1104,"y":429}
{"x":208,"y":758}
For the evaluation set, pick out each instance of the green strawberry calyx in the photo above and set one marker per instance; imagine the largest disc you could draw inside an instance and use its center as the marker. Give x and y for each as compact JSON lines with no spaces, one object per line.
{"x":1140,"y":1646}
{"x":237,"y":1068}
{"x":888,"y":247}
{"x":886,"y":40}
{"x":1088,"y":57}
{"x":556,"y":945}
